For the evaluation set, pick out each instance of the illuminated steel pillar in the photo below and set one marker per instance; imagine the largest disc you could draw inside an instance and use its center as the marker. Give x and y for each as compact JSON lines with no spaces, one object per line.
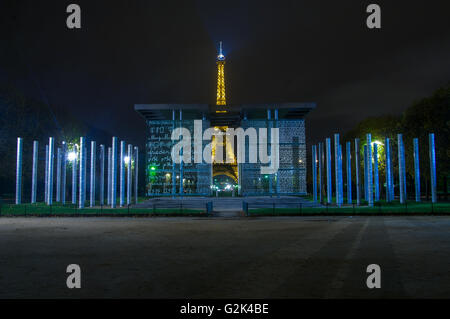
{"x":114,"y":172}
{"x":369,"y":169}
{"x":82,"y":189}
{"x":375,"y":172}
{"x":174,"y":180}
{"x":102,"y":175}
{"x":93,"y":162}
{"x":122,"y":173}
{"x":401,"y":168}
{"x":432,"y":154}
{"x":277,"y":184}
{"x":387,"y":149}
{"x":336,"y":167}
{"x":329,"y":185}
{"x":129,"y":181}
{"x":108,"y":195}
{"x":74,"y":175}
{"x":136,"y":173}
{"x":416,"y":169}
{"x":341,"y":179}
{"x":321,"y":172}
{"x":269,"y":126}
{"x":366,"y":195}
{"x":181,"y":156}
{"x":34,"y":172}
{"x":46,"y":176}
{"x":58,"y":174}
{"x":63,"y":172}
{"x":85,"y":172}
{"x":357,"y":176}
{"x":19,"y":171}
{"x":314,"y":172}
{"x":349,"y":172}
{"x":51,"y":158}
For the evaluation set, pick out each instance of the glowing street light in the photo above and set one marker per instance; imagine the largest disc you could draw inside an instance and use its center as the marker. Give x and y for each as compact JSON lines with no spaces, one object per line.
{"x":126,"y":159}
{"x":72,"y":156}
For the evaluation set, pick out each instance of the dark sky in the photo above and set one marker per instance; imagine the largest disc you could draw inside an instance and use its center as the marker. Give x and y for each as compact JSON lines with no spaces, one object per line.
{"x":134,"y":51}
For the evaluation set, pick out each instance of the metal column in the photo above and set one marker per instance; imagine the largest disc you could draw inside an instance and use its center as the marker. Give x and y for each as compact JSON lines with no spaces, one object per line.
{"x":349,"y":172}
{"x":416,"y":169}
{"x":34,"y":172}
{"x":376,"y":180}
{"x":432,"y":154}
{"x":102,"y":175}
{"x":19,"y":171}
{"x":129,"y":170}
{"x":51,"y":149}
{"x":401,"y":168}
{"x":314,"y":172}
{"x":82,"y":184}
{"x":136,"y":174}
{"x":387,"y":149}
{"x":122,"y":173}
{"x":357,"y":176}
{"x":329,"y":183}
{"x":114,"y":172}
{"x":93,"y":162}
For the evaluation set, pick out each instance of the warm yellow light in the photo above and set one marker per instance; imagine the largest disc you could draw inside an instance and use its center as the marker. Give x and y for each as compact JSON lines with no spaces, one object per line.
{"x":221,"y":99}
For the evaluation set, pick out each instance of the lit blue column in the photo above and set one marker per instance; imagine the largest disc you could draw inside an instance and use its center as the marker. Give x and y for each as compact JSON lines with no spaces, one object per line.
{"x":376,"y":180}
{"x":115,"y":143}
{"x":34,"y":172}
{"x":102,"y":174}
{"x":349,"y":172}
{"x":416,"y":169}
{"x":46,"y":175}
{"x":329,"y":185}
{"x":314,"y":172}
{"x":358,"y":186}
{"x":19,"y":171}
{"x":108,"y":196}
{"x":51,"y":158}
{"x":129,"y":180}
{"x":93,"y":162}
{"x":181,"y":154}
{"x":122,"y":173}
{"x":277,"y":185}
{"x":63,"y":172}
{"x":366,"y":194}
{"x":269,"y":126}
{"x":387,"y":150}
{"x":74,"y":176}
{"x":58,"y":174}
{"x":401,"y":168}
{"x":336,"y":167}
{"x":320,"y":172}
{"x":432,"y":153}
{"x":369,"y":169}
{"x":174,"y":178}
{"x":341,"y":178}
{"x":136,"y":173}
{"x":82,"y":186}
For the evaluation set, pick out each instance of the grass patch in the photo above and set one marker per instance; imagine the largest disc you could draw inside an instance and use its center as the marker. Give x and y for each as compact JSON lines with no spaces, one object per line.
{"x":41,"y":209}
{"x":378,"y":209}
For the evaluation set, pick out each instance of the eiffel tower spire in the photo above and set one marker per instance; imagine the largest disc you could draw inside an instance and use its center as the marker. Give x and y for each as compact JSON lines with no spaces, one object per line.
{"x":221,"y":99}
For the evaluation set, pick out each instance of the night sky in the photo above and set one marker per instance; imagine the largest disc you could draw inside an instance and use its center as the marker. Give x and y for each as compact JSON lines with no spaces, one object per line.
{"x":130,"y":52}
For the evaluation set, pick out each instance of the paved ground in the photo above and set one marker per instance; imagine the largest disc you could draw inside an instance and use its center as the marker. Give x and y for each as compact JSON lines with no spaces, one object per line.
{"x":218,"y":257}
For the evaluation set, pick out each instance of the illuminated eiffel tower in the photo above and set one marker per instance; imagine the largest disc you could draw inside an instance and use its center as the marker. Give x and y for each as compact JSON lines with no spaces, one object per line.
{"x":220,"y":168}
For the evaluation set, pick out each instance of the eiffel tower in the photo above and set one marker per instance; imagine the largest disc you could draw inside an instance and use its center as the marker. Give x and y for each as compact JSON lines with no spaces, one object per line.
{"x":220,"y":168}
